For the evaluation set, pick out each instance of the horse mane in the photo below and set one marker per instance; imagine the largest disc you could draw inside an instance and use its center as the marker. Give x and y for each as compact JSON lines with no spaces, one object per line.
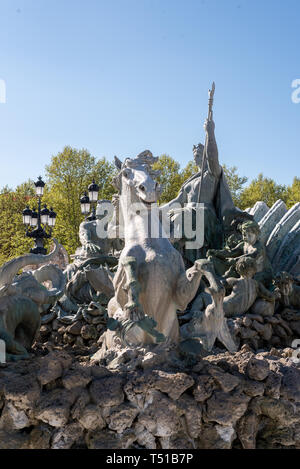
{"x":145,"y":158}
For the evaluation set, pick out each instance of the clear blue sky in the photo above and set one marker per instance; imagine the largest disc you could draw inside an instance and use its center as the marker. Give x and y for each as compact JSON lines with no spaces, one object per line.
{"x":121,"y":76}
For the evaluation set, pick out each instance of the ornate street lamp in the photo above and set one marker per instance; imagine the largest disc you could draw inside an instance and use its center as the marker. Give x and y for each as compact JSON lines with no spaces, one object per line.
{"x":52,"y":218}
{"x":27,"y":216}
{"x":85,"y":204}
{"x":39,"y":220}
{"x":93,"y":191}
{"x":45,"y":215}
{"x":86,"y":201}
{"x":39,"y":187}
{"x":34,"y":218}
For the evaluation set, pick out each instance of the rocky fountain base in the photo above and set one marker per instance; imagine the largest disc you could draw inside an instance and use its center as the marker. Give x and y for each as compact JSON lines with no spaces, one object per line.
{"x":149,"y":398}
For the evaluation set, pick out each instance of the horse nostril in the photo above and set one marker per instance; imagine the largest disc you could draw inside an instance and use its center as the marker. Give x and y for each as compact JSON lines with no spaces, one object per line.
{"x":142,"y":188}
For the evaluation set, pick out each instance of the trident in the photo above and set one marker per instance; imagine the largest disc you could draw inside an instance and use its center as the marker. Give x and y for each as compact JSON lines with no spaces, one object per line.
{"x":209,"y":117}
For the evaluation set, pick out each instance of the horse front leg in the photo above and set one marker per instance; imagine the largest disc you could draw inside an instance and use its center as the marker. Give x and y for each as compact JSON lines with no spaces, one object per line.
{"x":140,"y":323}
{"x":132,"y":308}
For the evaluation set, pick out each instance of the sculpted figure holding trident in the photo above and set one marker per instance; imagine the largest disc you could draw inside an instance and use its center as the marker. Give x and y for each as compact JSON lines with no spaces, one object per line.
{"x":207,"y":190}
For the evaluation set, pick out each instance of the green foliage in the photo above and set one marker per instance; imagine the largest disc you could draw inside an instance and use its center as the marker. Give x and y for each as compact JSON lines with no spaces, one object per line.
{"x":170,"y":177}
{"x":190,"y":169}
{"x":13,"y":241}
{"x":235,"y":183}
{"x":71,"y":171}
{"x":293,"y":193}
{"x":264,"y":189}
{"x":68,"y":176}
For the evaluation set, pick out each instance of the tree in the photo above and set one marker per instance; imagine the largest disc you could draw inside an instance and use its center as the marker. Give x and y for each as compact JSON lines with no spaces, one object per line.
{"x":13,"y":241}
{"x":71,"y":171}
{"x":235,"y":183}
{"x":190,"y":169}
{"x":262,"y":189}
{"x":69,"y":175}
{"x":170,"y":177}
{"x":293,"y":193}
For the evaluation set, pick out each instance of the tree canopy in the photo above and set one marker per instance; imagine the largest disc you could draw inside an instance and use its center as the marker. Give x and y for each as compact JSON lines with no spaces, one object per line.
{"x":264,"y":189}
{"x":13,"y":241}
{"x":69,"y":174}
{"x":235,"y":183}
{"x":293,"y":193}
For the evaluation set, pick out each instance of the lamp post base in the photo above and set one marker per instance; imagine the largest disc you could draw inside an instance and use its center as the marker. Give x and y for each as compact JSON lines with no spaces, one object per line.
{"x":38,"y":250}
{"x":38,"y":235}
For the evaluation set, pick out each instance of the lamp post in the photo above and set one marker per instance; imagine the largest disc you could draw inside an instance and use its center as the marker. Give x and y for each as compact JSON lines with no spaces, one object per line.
{"x":88,"y":200}
{"x":37,"y":221}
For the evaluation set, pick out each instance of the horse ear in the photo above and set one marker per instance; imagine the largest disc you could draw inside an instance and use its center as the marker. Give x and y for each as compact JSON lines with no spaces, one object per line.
{"x":118,"y":163}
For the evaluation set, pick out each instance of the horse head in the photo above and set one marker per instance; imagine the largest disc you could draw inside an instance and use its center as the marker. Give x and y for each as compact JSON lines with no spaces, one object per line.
{"x":136,"y":178}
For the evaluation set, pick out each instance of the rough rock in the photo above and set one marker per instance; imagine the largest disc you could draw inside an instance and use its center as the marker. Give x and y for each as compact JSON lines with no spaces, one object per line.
{"x":13,"y":440}
{"x":204,"y":388}
{"x":54,"y":407}
{"x":273,"y":385}
{"x":13,"y":418}
{"x":290,"y":387}
{"x":178,"y":441}
{"x":257,"y":369}
{"x":75,"y":328}
{"x":226,"y":408}
{"x":50,"y":370}
{"x":52,"y":366}
{"x":91,"y":418}
{"x":24,"y":390}
{"x":144,"y":437}
{"x":137,"y":391}
{"x":107,"y":391}
{"x":80,"y":376}
{"x":40,"y":437}
{"x":65,"y":437}
{"x":81,"y":402}
{"x":253,"y":388}
{"x":215,"y":436}
{"x":192,"y":418}
{"x":105,"y":439}
{"x":226,"y":381}
{"x":161,"y":417}
{"x":122,"y":417}
{"x":247,"y":428}
{"x":174,"y":384}
{"x":213,"y":404}
{"x":279,"y":410}
{"x":89,"y":331}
